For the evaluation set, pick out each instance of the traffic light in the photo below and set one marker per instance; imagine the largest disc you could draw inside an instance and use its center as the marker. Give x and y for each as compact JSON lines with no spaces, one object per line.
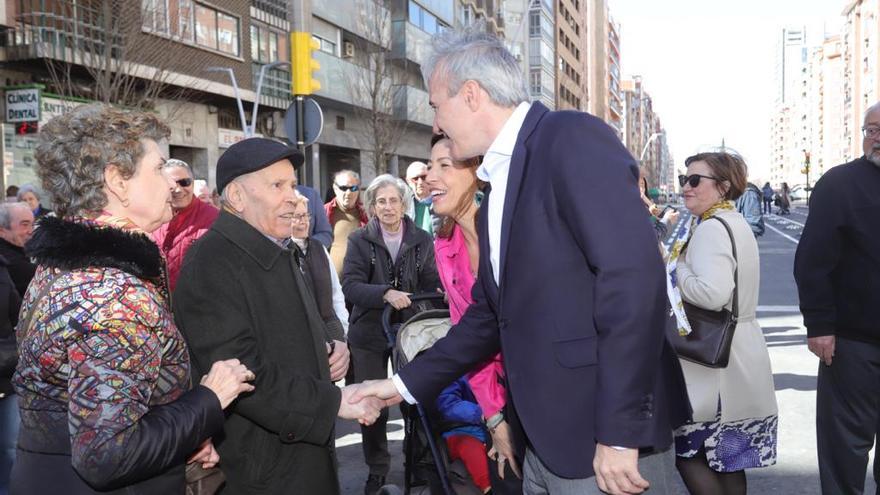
{"x":23,"y":128}
{"x":303,"y":80}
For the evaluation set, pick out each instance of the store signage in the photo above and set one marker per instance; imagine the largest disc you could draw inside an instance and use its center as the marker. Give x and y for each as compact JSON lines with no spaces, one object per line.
{"x":22,"y":105}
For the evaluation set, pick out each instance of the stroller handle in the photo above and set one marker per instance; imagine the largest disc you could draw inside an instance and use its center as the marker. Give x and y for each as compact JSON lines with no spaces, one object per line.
{"x":389,"y":310}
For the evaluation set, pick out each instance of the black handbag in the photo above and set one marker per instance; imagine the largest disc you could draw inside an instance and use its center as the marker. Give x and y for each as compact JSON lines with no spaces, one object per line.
{"x":711,"y":334}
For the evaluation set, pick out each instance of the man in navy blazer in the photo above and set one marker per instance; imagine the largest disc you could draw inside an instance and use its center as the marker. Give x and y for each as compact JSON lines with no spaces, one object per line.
{"x":570,"y":284}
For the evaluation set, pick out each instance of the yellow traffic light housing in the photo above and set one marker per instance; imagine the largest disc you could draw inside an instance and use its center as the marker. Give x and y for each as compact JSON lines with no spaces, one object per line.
{"x":303,"y":81}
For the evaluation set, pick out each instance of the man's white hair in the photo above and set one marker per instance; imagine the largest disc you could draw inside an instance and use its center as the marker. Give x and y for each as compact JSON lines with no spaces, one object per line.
{"x":414,"y":169}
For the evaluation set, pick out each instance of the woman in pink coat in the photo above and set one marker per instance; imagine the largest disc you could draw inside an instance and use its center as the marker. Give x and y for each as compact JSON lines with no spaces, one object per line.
{"x":456,"y":194}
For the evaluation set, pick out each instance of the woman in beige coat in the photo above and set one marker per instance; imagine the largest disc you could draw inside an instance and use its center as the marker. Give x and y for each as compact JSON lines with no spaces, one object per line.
{"x":734,"y":422}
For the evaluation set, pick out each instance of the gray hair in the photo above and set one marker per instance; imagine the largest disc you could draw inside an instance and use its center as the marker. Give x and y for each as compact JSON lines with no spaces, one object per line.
{"x":301,"y":198}
{"x":473,"y":54}
{"x":6,"y":213}
{"x":75,"y":148}
{"x":381,"y":182}
{"x":175,"y":163}
{"x":350,"y":173}
{"x":27,"y":188}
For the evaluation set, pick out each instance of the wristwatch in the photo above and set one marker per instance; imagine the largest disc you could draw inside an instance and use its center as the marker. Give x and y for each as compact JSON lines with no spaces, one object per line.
{"x":493,"y":421}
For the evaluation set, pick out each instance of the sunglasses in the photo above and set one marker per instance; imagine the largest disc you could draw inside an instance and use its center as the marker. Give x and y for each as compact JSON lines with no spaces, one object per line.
{"x":184,"y":182}
{"x":692,"y":180}
{"x":419,"y":177}
{"x":347,"y":188}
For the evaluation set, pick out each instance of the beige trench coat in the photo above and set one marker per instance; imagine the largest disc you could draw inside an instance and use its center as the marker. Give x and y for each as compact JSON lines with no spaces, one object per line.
{"x":705,"y":277}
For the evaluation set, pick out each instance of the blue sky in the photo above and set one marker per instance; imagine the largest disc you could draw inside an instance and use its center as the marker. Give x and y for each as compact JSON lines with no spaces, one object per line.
{"x":709,"y":65}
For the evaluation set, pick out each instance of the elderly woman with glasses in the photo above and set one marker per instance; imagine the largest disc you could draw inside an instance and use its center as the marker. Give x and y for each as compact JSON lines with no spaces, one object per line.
{"x":103,"y":377}
{"x":386,"y":261}
{"x":734,"y":408}
{"x":317,"y":268}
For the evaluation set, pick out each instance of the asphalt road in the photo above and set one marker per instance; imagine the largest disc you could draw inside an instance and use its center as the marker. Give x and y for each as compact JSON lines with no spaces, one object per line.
{"x":794,"y":371}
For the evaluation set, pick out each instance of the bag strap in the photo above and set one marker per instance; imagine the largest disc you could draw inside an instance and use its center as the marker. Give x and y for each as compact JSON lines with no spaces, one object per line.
{"x":735,"y":306}
{"x":25,"y":323}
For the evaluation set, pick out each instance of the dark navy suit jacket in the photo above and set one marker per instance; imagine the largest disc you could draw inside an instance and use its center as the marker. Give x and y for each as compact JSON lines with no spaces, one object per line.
{"x":581,"y":309}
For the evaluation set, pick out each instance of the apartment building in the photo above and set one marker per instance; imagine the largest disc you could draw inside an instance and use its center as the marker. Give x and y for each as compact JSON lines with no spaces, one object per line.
{"x":571,"y":54}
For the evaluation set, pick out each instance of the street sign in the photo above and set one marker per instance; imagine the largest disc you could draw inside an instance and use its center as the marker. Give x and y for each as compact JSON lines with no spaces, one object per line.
{"x":312,"y":119}
{"x":22,"y":105}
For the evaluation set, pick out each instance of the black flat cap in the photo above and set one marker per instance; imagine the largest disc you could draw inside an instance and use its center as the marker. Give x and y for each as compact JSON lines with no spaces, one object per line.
{"x":250,"y":155}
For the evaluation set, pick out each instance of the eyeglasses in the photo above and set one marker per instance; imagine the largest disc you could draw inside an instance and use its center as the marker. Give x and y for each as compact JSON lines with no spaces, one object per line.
{"x":184,"y":182}
{"x":871,"y":132}
{"x":692,"y":180}
{"x":347,"y":188}
{"x":419,"y":177}
{"x":301,"y":218}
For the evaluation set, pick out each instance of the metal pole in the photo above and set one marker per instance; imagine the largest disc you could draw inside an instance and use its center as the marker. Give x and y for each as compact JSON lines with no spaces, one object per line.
{"x":263,"y":70}
{"x":300,"y":122}
{"x":244,"y":125}
{"x":645,"y":149}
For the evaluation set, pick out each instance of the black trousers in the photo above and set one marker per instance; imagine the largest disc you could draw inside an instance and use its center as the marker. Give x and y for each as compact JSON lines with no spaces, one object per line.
{"x":848,"y":416}
{"x":373,"y":365}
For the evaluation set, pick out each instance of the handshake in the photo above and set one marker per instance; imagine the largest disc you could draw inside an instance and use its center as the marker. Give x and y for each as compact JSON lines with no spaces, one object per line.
{"x":364,"y":401}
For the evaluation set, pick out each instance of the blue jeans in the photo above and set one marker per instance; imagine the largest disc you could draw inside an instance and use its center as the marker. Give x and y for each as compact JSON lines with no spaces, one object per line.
{"x":9,"y":422}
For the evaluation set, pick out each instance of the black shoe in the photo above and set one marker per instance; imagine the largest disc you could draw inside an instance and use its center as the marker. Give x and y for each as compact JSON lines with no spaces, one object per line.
{"x":374,"y":482}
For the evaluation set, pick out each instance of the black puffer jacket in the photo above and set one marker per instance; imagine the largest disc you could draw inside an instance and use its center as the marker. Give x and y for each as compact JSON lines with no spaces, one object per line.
{"x":368,"y":273}
{"x":10,"y":303}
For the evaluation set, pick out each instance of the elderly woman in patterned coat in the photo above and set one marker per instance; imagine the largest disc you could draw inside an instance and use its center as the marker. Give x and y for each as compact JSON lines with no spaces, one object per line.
{"x":103,"y":377}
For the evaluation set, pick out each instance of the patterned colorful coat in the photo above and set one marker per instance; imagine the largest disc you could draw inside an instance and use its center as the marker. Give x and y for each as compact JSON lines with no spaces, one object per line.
{"x":103,"y":375}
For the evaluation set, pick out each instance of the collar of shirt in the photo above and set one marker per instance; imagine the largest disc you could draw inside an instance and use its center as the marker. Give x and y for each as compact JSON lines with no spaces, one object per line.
{"x":505,"y":141}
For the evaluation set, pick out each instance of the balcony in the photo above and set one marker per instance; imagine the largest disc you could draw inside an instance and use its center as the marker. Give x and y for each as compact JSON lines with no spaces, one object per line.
{"x":365,"y":18}
{"x":412,"y":104}
{"x":409,"y":42}
{"x":276,"y":86}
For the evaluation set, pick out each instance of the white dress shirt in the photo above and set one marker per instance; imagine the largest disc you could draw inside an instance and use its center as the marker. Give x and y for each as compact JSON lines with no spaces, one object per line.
{"x":494,"y":170}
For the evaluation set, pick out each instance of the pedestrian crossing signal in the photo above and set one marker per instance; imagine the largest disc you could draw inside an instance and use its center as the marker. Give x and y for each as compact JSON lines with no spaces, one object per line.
{"x":23,"y":128}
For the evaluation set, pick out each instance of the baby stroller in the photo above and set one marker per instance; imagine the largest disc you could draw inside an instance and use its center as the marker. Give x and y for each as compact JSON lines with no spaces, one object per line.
{"x":427,"y":469}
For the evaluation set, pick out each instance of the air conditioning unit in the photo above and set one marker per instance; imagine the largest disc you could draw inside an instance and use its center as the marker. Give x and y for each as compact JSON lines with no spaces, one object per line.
{"x":347,"y":49}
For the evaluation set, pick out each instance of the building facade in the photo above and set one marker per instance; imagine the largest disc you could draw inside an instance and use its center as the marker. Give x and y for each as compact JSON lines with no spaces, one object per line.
{"x":861,"y":54}
{"x":183,"y":53}
{"x":571,"y":55}
{"x":541,"y":53}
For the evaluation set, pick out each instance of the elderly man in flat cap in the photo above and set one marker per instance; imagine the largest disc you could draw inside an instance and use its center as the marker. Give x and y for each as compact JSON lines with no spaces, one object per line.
{"x":241,"y":293}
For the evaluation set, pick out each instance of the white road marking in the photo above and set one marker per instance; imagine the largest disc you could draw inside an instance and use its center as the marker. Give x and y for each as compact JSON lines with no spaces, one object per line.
{"x":785,"y":219}
{"x":779,"y":309}
{"x":783,"y":234}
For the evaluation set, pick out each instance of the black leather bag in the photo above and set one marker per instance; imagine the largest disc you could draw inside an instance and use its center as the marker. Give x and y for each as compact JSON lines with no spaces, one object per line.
{"x":711,"y":334}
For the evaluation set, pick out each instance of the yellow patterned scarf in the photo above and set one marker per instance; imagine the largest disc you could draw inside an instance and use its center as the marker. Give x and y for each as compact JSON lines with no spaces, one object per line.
{"x":678,"y":245}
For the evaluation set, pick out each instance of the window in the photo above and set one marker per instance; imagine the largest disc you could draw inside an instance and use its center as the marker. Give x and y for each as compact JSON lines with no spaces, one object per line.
{"x":325,"y":45}
{"x":267,"y":46}
{"x":535,"y":82}
{"x":534,"y":24}
{"x":425,"y":20}
{"x":206,"y":27}
{"x":227,"y":34}
{"x":190,"y":22}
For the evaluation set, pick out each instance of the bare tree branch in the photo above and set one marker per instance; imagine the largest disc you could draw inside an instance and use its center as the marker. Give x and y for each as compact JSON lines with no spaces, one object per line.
{"x":373,"y":87}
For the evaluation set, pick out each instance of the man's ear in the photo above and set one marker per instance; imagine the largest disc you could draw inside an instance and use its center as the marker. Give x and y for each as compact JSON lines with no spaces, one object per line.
{"x":473,"y":94}
{"x":235,"y":195}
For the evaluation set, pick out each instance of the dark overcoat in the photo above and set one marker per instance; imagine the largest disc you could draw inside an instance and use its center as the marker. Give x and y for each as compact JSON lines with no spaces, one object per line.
{"x":240,"y":295}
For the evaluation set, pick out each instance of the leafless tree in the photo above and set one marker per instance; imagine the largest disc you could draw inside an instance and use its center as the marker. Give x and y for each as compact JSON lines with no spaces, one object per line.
{"x":102,"y":50}
{"x":374,"y":84}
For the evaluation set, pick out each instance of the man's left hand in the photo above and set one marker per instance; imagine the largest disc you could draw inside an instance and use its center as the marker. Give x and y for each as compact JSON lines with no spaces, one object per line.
{"x":339,"y":360}
{"x":617,"y":471}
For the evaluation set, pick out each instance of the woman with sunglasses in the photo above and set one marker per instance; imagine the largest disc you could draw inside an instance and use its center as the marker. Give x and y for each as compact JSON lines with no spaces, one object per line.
{"x":734,"y":408}
{"x":456,"y":194}
{"x":192,"y":218}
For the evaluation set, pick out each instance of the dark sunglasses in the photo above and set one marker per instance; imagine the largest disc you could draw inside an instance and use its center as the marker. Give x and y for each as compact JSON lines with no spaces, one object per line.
{"x":184,"y":182}
{"x":692,"y":180}
{"x":347,"y":188}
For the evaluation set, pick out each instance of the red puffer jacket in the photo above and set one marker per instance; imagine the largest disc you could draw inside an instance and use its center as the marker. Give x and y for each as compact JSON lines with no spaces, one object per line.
{"x":175,"y":237}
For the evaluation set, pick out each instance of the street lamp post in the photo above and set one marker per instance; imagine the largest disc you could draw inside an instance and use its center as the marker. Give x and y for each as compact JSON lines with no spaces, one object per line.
{"x":647,"y":143}
{"x":249,"y":130}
